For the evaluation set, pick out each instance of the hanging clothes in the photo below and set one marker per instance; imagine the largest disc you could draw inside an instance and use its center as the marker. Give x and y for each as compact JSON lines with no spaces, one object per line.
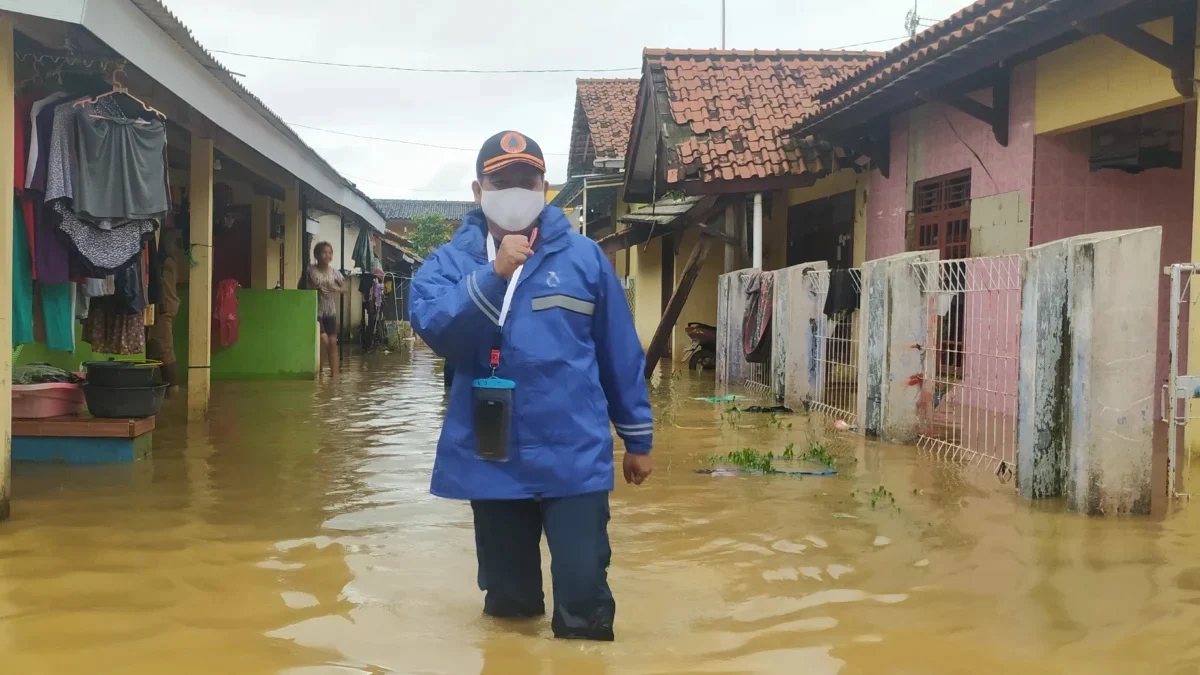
{"x":756,"y":323}
{"x":843,"y":297}
{"x":21,"y":133}
{"x":225,"y":313}
{"x":58,"y":312}
{"x":122,"y":171}
{"x":37,"y":140}
{"x":22,"y":271}
{"x":51,"y":246}
{"x":106,"y":249}
{"x":109,"y":330}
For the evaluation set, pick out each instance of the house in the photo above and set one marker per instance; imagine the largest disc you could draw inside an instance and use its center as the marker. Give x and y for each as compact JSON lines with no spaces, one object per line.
{"x":599,"y":138}
{"x":1014,"y":124}
{"x":710,"y":156}
{"x":401,"y":213}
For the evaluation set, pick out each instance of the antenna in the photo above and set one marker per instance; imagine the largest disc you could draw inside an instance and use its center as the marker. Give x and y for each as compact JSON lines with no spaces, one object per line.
{"x":722,"y":25}
{"x":914,"y":22}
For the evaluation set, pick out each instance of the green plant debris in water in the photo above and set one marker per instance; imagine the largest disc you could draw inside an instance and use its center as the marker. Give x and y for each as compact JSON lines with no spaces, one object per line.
{"x":748,"y":459}
{"x":880,"y":497}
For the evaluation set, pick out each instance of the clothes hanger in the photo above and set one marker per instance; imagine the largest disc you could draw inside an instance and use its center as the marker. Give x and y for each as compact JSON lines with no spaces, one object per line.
{"x":119,"y":88}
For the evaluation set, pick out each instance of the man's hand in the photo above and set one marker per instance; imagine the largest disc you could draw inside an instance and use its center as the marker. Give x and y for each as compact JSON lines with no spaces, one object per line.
{"x":637,"y":467}
{"x":514,"y":251}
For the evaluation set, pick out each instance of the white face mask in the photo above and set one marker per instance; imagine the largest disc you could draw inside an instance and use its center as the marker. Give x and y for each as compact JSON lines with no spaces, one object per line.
{"x":513,"y":209}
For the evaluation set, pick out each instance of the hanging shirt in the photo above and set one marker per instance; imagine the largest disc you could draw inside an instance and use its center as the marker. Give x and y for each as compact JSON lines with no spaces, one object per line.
{"x":35,"y":147}
{"x":122,"y":167}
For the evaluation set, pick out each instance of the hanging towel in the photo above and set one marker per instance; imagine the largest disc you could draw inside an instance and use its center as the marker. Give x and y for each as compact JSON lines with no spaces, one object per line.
{"x":58,"y":311}
{"x":756,"y":323}
{"x":843,"y":297}
{"x":22,"y":271}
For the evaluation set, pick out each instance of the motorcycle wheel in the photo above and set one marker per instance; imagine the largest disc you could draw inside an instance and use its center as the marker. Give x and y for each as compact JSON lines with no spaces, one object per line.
{"x":704,"y":359}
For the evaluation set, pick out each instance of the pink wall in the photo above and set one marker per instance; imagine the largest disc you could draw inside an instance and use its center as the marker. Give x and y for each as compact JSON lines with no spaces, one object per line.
{"x":1070,"y":199}
{"x":926,"y":144}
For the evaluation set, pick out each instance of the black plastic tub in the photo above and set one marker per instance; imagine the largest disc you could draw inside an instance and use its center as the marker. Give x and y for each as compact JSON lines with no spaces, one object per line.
{"x":123,"y":402}
{"x":121,"y":373}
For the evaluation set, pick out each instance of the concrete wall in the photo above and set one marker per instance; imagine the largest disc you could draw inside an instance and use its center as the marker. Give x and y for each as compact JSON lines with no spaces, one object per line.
{"x":647,"y":265}
{"x":1097,"y":80}
{"x":795,"y":314}
{"x":895,"y":324}
{"x":935,"y":140}
{"x":1086,"y":414}
{"x":1073,"y":200}
{"x":701,"y":305}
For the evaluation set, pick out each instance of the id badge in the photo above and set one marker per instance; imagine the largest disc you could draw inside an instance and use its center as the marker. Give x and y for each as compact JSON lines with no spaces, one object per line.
{"x":492,"y":402}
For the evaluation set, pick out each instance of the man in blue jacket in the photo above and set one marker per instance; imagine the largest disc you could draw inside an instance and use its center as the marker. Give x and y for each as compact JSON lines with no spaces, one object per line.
{"x":545,"y":355}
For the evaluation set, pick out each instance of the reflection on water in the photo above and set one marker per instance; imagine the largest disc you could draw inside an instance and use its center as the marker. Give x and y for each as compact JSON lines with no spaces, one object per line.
{"x":295,"y":534}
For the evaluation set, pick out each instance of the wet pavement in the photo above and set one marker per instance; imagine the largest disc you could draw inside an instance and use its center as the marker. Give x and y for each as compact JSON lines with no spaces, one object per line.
{"x":295,"y":534}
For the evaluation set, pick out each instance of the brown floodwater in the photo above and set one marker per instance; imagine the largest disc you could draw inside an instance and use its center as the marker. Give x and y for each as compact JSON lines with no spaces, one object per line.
{"x":295,"y":534}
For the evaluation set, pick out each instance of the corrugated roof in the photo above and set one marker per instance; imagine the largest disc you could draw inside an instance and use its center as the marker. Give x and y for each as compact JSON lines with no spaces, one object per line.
{"x":157,"y":12}
{"x":728,"y":112}
{"x":603,"y":116}
{"x":568,"y":193}
{"x":407,"y":209}
{"x":662,"y":212}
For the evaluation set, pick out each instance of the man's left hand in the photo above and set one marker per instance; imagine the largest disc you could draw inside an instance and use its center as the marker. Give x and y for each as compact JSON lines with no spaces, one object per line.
{"x":637,"y":468}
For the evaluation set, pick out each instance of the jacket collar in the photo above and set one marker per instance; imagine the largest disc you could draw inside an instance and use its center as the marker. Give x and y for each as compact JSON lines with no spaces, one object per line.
{"x":554,"y":230}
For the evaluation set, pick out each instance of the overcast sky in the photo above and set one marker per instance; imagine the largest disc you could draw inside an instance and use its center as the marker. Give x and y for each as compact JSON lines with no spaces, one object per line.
{"x":461,"y":110}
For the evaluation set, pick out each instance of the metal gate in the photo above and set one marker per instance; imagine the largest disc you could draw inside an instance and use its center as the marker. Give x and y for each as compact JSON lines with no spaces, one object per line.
{"x":834,"y":365}
{"x":1181,"y":387}
{"x":968,"y":405}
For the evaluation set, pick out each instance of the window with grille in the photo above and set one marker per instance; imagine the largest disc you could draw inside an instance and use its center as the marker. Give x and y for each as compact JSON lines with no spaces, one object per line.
{"x":942,"y":216}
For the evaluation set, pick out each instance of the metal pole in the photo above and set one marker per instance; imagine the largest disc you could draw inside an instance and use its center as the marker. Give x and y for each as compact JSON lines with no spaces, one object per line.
{"x":1171,"y":405}
{"x":583,"y":213}
{"x":758,"y":231}
{"x":722,"y":24}
{"x":342,"y":296}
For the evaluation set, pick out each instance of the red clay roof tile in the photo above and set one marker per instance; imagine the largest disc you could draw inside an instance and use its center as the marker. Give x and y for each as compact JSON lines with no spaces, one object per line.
{"x":604,"y":114}
{"x":736,"y":106}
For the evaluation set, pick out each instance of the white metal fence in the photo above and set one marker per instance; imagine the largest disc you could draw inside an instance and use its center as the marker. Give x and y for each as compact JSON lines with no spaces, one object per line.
{"x":833,"y":367}
{"x":968,"y":406}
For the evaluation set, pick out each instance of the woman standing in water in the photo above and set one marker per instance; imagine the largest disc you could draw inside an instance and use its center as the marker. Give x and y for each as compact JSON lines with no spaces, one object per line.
{"x":329,"y":284}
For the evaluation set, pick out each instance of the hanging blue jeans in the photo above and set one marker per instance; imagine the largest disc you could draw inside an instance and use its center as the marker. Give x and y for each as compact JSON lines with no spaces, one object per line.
{"x":507,"y":542}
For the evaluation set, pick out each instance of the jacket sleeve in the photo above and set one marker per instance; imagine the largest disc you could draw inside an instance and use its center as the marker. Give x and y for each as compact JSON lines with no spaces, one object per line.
{"x":451,"y":311}
{"x":622,"y":364}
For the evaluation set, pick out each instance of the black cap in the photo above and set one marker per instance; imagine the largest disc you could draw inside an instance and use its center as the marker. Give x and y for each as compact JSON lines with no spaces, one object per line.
{"x":507,"y":148}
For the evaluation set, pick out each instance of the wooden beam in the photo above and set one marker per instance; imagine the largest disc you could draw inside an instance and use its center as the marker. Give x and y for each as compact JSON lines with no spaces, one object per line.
{"x":1177,"y":56}
{"x":200,"y":282}
{"x":1150,"y":46}
{"x":658,"y":343}
{"x":7,"y":217}
{"x":1184,"y":33}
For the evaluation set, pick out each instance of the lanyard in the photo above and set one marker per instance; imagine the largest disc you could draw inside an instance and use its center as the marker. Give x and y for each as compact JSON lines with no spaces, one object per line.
{"x":508,"y":294}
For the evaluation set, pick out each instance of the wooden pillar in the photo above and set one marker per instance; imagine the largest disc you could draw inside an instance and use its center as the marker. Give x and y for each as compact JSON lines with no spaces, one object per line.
{"x":293,"y":236}
{"x":200,"y":290}
{"x":7,"y":87}
{"x":260,"y":244}
{"x":731,"y":250}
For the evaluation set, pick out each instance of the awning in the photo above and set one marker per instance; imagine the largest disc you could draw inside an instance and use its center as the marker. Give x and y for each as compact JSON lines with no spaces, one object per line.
{"x":663,"y":217}
{"x":569,"y":193}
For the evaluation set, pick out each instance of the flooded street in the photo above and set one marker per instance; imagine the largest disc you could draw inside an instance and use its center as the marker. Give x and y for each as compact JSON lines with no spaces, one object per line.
{"x":296,"y":534}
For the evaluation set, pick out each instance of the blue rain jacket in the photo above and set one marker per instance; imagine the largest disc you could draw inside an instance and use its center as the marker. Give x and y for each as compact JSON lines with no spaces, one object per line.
{"x":569,"y":344}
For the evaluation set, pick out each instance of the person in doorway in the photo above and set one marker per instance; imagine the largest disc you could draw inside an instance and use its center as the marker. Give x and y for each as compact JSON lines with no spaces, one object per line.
{"x":545,"y":355}
{"x":160,"y":338}
{"x":329,"y":284}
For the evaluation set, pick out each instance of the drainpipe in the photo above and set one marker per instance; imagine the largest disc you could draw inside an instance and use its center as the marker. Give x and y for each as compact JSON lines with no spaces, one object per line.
{"x":758,"y":231}
{"x":583,"y":214}
{"x":342,"y":296}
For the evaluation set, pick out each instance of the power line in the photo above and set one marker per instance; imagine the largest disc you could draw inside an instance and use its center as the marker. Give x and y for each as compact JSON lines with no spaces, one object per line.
{"x":872,"y":42}
{"x":404,"y":69}
{"x":397,"y":140}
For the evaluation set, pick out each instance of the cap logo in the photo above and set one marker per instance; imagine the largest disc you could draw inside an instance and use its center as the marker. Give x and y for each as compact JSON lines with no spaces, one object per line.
{"x":512,"y":143}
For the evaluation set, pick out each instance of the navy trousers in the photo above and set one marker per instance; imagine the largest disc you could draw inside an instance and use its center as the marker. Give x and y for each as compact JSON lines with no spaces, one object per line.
{"x":508,"y":538}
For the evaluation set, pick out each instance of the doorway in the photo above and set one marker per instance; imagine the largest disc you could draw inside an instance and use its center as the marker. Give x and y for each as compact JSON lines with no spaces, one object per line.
{"x":822,"y":229}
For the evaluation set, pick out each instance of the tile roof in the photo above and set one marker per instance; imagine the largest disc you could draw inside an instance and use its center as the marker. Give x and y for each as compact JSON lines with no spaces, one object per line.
{"x":407,"y":209}
{"x":603,"y":116}
{"x":989,"y":31}
{"x":730,"y":109}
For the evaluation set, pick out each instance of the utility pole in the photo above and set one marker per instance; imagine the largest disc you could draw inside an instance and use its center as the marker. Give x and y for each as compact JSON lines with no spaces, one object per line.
{"x":722,"y":24}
